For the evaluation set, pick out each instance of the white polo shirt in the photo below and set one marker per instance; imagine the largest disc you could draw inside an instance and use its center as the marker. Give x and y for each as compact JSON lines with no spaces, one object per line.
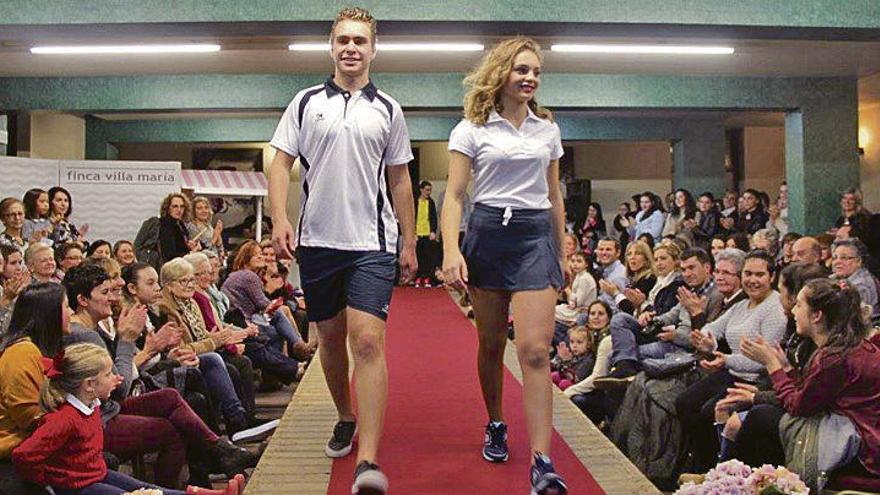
{"x":509,"y":164}
{"x":344,"y":141}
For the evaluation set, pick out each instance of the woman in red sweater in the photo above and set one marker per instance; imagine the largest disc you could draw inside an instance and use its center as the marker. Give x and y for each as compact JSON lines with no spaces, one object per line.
{"x":65,"y":451}
{"x":843,"y":375}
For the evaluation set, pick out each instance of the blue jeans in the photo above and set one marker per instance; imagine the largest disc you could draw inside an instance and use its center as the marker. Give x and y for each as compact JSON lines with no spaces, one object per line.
{"x":280,"y":329}
{"x":624,"y":329}
{"x":114,"y":483}
{"x":220,"y":385}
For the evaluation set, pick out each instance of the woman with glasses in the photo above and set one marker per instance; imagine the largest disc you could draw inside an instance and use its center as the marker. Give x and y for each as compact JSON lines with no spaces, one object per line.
{"x":178,"y":305}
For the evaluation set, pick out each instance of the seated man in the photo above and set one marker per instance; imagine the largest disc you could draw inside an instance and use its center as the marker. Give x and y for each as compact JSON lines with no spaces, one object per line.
{"x":847,"y":263}
{"x":702,"y":300}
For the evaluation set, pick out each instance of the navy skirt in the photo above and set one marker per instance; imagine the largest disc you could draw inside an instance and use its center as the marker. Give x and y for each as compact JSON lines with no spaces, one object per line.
{"x":511,"y":250}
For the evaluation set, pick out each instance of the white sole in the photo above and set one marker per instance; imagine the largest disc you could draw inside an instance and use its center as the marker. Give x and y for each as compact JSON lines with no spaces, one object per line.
{"x":495,"y":461}
{"x":256,"y":431}
{"x":336,"y":454}
{"x":372,"y":481}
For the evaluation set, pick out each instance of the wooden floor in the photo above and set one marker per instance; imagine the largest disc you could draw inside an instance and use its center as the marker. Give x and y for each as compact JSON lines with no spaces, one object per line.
{"x":294,"y":461}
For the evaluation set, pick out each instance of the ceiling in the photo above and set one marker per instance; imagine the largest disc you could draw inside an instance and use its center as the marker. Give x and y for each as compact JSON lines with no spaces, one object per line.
{"x":269,"y":54}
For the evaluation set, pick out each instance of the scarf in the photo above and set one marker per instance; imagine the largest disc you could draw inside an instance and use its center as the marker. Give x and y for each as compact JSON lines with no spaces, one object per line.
{"x":192,"y":316}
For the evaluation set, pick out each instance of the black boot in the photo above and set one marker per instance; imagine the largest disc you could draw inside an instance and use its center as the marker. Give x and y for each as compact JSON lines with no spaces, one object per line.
{"x":230,"y":460}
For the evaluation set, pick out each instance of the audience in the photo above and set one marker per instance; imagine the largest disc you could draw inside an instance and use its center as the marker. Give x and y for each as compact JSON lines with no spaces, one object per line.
{"x":649,"y":219}
{"x":200,"y":228}
{"x":123,"y":253}
{"x":40,"y":261}
{"x":174,"y":241}
{"x":12,"y":216}
{"x":36,"y":215}
{"x":60,"y":208}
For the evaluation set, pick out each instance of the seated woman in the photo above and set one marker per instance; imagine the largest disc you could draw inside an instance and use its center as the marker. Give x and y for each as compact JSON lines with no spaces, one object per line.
{"x":99,"y":250}
{"x":35,"y":331}
{"x":60,"y":208}
{"x":642,"y":277}
{"x":40,"y":260}
{"x":743,"y":396}
{"x":240,"y":367}
{"x":123,"y":253}
{"x":67,"y":256}
{"x":36,"y":216}
{"x":179,"y":306}
{"x":761,"y":314}
{"x":244,"y":287}
{"x":842,"y":377}
{"x":583,"y":393}
{"x":172,"y":423}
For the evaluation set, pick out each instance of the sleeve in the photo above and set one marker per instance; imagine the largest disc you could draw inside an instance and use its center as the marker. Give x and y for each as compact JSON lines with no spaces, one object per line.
{"x":21,"y":390}
{"x":30,"y":457}
{"x":656,"y":225}
{"x":201,"y":346}
{"x":462,"y":139}
{"x":286,"y":137}
{"x":432,"y":215}
{"x":399,"y":149}
{"x":557,"y":151}
{"x":772,"y":328}
{"x":600,"y":369}
{"x":817,"y":390}
{"x":167,"y":246}
{"x":252,"y":288}
{"x":122,"y":362}
{"x":718,"y":328}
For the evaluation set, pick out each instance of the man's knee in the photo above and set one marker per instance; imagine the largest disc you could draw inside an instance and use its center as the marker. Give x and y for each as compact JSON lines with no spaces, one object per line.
{"x":367,"y":345}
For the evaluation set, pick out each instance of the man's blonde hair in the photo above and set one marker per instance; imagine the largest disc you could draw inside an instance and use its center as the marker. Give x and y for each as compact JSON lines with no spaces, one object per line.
{"x":358,"y":14}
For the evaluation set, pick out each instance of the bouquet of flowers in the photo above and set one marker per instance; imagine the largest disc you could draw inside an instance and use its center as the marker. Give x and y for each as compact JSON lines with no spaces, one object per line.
{"x":735,"y":478}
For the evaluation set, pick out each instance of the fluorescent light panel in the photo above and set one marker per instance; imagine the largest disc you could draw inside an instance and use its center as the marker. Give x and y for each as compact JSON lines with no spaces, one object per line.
{"x":123,"y":49}
{"x":644,"y":49}
{"x":396,"y":47}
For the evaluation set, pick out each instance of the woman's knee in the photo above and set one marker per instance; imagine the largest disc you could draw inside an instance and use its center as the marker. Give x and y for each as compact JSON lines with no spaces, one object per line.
{"x":211,"y":360}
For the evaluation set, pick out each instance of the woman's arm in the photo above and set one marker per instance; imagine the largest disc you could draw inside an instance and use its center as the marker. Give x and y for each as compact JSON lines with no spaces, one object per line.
{"x":600,"y":369}
{"x":21,"y":389}
{"x":30,"y":457}
{"x":558,"y":207}
{"x":454,"y":268}
{"x":818,"y":388}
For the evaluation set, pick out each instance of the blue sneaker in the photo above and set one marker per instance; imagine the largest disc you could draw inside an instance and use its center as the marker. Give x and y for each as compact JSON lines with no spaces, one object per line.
{"x":495,"y":444}
{"x":544,"y":479}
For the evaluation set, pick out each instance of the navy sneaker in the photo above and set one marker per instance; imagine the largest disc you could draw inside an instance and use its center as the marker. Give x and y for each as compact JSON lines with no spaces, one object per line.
{"x":544,"y":479}
{"x":495,"y":444}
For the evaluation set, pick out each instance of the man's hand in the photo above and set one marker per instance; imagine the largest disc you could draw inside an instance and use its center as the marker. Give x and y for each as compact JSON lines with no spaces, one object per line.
{"x":693,"y":303}
{"x":716,"y":364}
{"x":668,"y":333}
{"x":408,"y":263}
{"x":283,"y":238}
{"x":702,"y":342}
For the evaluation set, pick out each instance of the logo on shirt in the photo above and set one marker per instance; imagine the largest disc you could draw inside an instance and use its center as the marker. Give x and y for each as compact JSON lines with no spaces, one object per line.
{"x":385,"y":309}
{"x":319,"y":116}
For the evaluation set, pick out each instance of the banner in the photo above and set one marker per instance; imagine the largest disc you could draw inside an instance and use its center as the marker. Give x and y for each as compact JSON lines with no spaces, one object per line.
{"x":115,"y":197}
{"x":17,"y":175}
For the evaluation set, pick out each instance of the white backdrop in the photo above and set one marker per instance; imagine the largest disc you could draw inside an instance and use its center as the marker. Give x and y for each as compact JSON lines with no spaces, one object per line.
{"x":113,"y":197}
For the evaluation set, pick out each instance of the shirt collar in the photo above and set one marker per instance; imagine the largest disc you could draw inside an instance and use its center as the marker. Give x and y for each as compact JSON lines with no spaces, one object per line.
{"x":80,"y":406}
{"x":332,"y":89}
{"x":494,"y":116}
{"x":731,"y":298}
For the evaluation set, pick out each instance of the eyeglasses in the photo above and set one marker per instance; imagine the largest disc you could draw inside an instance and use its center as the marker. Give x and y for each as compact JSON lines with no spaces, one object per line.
{"x":186,"y":281}
{"x":843,"y":258}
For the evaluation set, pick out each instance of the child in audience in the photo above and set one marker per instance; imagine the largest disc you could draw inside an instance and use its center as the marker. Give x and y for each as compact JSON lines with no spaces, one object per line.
{"x":36,"y":216}
{"x":578,"y":295}
{"x":573,"y":362}
{"x":65,"y":451}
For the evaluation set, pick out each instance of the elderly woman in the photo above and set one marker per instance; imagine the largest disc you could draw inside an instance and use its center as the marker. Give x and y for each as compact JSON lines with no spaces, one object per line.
{"x":178,"y":305}
{"x":40,"y":260}
{"x":847,"y":264}
{"x":240,"y":367}
{"x":200,"y":228}
{"x":12,"y":216}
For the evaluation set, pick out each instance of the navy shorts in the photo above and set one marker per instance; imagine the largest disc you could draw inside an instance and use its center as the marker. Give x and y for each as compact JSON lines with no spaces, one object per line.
{"x":333,"y":279}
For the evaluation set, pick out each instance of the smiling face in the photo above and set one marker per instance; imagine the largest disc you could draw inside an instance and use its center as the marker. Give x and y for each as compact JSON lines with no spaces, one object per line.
{"x":72,"y":258}
{"x":756,"y":279}
{"x":726,"y":278}
{"x":43,"y":264}
{"x":524,"y":78}
{"x":803,"y":315}
{"x":99,"y":304}
{"x":60,"y":204}
{"x":606,"y":253}
{"x":845,"y":261}
{"x":694,"y":272}
{"x":202,"y":211}
{"x":184,"y":287}
{"x":106,"y":381}
{"x":125,"y":254}
{"x":597,"y":317}
{"x":352,"y":48}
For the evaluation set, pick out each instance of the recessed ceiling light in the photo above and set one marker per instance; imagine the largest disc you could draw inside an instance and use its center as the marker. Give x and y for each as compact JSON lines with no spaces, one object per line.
{"x":644,"y":49}
{"x":396,"y":47}
{"x":123,"y":49}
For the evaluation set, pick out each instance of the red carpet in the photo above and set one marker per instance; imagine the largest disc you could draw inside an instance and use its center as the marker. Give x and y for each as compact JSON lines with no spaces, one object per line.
{"x":435,"y":418}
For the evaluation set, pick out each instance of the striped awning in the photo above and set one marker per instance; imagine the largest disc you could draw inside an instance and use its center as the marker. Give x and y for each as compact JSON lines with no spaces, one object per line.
{"x":225,"y":182}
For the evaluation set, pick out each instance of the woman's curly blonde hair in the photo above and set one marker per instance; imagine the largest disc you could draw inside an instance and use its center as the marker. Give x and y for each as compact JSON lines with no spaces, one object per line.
{"x":486,"y":81}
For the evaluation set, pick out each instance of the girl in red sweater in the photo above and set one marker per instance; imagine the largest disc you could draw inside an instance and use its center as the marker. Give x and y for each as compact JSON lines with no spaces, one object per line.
{"x":65,"y":451}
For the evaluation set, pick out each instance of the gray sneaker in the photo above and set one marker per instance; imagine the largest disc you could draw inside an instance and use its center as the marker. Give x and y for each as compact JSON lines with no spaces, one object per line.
{"x":340,"y":443}
{"x":369,"y":480}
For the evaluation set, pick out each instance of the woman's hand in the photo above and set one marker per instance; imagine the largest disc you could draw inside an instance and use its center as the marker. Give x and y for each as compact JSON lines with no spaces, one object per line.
{"x":185,"y":357}
{"x":608,"y":287}
{"x":222,"y":337}
{"x":217,"y":238}
{"x":132,"y":322}
{"x":455,"y":271}
{"x":702,"y":342}
{"x":758,"y":350}
{"x":635,"y":296}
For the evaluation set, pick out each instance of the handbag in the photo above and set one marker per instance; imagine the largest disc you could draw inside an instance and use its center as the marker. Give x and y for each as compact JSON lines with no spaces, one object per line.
{"x":670,"y":364}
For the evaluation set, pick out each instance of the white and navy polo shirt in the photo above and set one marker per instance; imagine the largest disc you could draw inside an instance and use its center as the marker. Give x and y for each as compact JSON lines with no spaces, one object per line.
{"x":344,"y":141}
{"x":509,"y":164}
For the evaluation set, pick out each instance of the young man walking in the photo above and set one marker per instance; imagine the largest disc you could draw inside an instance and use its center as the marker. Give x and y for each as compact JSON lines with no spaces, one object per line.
{"x":348,"y":135}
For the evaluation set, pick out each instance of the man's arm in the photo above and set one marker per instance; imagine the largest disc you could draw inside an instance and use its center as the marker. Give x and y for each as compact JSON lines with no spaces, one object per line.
{"x":401,"y":191}
{"x":279,"y":178}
